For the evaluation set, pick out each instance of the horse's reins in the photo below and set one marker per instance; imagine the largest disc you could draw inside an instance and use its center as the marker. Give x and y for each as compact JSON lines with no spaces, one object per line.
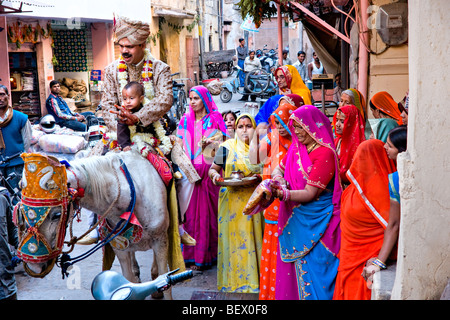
{"x":66,"y":261}
{"x":73,"y":239}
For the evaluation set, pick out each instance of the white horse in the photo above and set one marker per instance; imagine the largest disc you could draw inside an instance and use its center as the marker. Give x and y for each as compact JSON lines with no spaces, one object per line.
{"x":108,"y":191}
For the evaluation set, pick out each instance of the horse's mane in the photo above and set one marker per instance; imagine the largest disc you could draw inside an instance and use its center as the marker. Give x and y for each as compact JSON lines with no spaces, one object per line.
{"x":96,"y":168}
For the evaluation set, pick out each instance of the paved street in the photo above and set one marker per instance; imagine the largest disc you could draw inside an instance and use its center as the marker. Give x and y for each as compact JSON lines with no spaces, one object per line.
{"x":77,"y":286}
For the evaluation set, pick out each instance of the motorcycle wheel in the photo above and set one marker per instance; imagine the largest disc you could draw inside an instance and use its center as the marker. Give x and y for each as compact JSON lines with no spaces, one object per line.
{"x":225,"y":95}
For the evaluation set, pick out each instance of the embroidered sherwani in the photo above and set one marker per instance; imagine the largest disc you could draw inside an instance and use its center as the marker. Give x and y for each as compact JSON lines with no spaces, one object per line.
{"x":152,"y":111}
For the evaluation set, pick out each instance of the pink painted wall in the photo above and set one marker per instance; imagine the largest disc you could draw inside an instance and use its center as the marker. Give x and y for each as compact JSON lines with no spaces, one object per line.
{"x":102,"y":45}
{"x":4,"y":58}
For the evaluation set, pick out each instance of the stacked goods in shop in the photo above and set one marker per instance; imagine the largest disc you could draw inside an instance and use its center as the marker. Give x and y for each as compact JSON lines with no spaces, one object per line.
{"x":76,"y":90}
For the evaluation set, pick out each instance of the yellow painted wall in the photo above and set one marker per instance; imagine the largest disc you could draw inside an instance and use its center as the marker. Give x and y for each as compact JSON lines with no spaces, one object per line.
{"x":388,"y":71}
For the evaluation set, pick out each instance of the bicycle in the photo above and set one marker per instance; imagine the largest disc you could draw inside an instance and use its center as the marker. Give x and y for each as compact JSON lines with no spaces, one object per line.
{"x":179,"y":97}
{"x":13,"y":192}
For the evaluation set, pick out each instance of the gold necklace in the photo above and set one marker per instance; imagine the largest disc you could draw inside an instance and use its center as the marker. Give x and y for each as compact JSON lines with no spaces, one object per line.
{"x":312,"y":147}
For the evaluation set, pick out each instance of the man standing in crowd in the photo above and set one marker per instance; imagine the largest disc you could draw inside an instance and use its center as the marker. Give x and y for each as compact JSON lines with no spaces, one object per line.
{"x":315,"y":66}
{"x":251,"y":63}
{"x":15,"y":136}
{"x":285,"y":59}
{"x":58,"y":108}
{"x":242,"y":52}
{"x":300,"y":64}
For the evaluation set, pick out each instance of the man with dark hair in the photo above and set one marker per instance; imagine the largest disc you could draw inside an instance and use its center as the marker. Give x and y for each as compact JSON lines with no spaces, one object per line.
{"x":15,"y":136}
{"x":301,"y":65}
{"x":315,"y":66}
{"x":58,"y":108}
{"x":285,"y":60}
{"x":242,"y":52}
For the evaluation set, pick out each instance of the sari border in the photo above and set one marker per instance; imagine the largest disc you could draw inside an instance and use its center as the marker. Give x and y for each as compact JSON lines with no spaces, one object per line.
{"x":366,"y":201}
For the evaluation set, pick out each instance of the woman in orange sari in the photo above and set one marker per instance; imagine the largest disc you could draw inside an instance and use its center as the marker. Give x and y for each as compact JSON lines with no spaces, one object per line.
{"x":383,"y":106}
{"x":349,"y":130}
{"x":272,"y":148}
{"x":365,"y":208}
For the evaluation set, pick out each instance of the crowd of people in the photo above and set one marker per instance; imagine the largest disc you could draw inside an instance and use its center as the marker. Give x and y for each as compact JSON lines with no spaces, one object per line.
{"x":330,"y":208}
{"x":333,"y":218}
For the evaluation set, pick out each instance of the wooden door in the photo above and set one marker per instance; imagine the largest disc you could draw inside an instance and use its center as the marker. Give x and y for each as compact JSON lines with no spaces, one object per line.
{"x":192,"y":61}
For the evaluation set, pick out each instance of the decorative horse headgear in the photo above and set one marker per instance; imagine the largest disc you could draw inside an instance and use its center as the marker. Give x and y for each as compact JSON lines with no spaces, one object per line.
{"x":44,"y":187}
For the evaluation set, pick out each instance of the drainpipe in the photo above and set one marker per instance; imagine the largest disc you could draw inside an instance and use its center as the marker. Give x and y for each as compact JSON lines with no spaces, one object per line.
{"x":280,"y":35}
{"x":363,"y":68}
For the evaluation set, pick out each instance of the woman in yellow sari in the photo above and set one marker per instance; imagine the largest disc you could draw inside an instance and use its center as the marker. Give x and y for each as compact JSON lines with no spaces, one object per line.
{"x":240,"y":236}
{"x":290,"y":81}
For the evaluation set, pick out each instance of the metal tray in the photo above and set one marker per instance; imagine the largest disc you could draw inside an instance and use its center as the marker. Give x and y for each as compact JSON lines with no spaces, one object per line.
{"x":233,"y":182}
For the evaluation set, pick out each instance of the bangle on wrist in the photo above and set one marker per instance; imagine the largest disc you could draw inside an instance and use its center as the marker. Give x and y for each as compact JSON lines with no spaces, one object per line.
{"x":379,"y":263}
{"x":286,"y":194}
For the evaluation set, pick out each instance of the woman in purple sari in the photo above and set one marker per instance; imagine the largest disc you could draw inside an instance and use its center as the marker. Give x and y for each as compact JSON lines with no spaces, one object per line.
{"x":201,"y":128}
{"x":309,"y":216}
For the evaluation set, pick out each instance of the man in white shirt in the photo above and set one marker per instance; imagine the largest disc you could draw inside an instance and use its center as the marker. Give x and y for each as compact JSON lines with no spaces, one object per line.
{"x":251,"y":63}
{"x":301,"y":65}
{"x":315,"y":66}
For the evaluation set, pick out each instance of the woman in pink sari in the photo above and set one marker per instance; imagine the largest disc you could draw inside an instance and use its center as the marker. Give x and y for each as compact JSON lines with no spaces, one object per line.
{"x":200,"y":128}
{"x":309,"y":216}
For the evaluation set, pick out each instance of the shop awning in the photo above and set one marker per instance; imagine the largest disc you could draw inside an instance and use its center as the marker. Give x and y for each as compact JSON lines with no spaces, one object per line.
{"x":163,"y":12}
{"x":15,"y":6}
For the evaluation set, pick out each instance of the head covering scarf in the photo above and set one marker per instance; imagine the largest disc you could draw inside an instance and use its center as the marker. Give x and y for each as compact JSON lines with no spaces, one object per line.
{"x":295,"y":83}
{"x":319,"y":128}
{"x":404,"y":104}
{"x":293,"y":99}
{"x":136,"y":32}
{"x":351,"y":137}
{"x":383,"y":127}
{"x":369,"y":174}
{"x":212,"y":124}
{"x":364,"y":216}
{"x":384,"y":102}
{"x":358,"y":101}
{"x":241,"y":151}
{"x":267,"y":109}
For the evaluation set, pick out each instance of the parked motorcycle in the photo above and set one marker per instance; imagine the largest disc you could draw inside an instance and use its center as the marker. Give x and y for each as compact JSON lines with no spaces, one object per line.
{"x":258,"y":83}
{"x":267,"y":57}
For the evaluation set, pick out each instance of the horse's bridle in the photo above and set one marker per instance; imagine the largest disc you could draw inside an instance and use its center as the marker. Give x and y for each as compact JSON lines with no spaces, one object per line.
{"x":34,"y":247}
{"x":35,"y":207}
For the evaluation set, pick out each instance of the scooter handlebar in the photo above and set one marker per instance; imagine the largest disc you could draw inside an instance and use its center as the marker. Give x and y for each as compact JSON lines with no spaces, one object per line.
{"x":173,"y":279}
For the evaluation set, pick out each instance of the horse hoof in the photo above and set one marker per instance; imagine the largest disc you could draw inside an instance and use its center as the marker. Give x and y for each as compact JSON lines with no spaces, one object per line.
{"x":158,"y":295}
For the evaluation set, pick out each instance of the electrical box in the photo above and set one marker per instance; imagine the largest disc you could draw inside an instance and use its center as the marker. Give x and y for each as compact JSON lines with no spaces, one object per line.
{"x":392,"y":23}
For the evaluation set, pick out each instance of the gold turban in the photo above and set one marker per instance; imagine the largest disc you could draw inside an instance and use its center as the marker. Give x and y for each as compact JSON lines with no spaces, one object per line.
{"x":136,"y":32}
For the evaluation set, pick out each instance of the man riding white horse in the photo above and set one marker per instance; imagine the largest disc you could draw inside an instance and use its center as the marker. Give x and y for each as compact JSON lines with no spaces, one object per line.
{"x":136,"y":64}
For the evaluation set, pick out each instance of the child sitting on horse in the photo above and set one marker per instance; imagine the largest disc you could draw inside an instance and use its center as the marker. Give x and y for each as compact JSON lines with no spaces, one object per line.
{"x":133,"y":98}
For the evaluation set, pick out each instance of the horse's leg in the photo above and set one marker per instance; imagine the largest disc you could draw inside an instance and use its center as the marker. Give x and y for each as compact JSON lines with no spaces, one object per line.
{"x":161,"y":260}
{"x":155,"y":272}
{"x":136,"y":269}
{"x":127,"y":261}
